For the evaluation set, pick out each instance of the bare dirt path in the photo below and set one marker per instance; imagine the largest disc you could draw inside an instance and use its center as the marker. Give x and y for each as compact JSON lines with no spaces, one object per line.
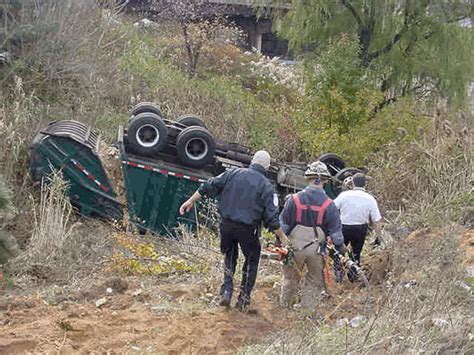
{"x":170,"y":318}
{"x":159,"y":316}
{"x":172,"y":322}
{"x":176,"y":315}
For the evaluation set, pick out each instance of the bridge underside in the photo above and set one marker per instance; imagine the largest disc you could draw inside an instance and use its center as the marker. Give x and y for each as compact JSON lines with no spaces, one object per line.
{"x":258,"y":30}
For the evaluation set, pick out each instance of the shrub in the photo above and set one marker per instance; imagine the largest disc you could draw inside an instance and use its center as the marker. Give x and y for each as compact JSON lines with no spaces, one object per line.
{"x":339,"y":100}
{"x":429,"y":178}
{"x":400,"y":122}
{"x":340,"y":92}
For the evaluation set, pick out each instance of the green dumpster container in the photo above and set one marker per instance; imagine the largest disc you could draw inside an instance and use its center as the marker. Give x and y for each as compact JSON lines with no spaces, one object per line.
{"x":156,"y":189}
{"x":71,"y":147}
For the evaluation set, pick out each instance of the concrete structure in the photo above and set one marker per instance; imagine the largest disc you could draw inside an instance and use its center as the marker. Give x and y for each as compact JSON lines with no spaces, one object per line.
{"x":258,"y":29}
{"x":241,"y":12}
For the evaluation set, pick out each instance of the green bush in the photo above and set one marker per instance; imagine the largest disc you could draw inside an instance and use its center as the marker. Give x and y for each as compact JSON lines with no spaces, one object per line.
{"x":340,"y":92}
{"x":337,"y":113}
{"x":399,"y":122}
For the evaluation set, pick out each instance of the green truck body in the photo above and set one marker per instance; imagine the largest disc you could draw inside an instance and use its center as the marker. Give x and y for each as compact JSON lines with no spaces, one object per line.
{"x":71,"y":148}
{"x":154,"y":187}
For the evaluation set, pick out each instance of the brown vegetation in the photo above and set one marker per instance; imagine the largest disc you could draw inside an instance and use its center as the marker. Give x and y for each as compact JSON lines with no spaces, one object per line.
{"x":428,"y":181}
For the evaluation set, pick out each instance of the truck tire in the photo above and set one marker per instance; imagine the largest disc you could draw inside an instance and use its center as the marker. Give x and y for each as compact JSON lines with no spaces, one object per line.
{"x":143,"y":107}
{"x":190,"y":120}
{"x":147,"y":134}
{"x":195,"y":146}
{"x":334,"y":162}
{"x":346,"y":172}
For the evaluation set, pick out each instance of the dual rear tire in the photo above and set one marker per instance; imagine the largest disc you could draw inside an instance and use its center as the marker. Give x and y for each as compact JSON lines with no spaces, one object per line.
{"x":195,"y":146}
{"x":148,"y":136}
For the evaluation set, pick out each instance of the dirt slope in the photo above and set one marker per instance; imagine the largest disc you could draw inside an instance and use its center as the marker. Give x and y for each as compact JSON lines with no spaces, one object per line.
{"x":133,"y":322}
{"x":169,"y":318}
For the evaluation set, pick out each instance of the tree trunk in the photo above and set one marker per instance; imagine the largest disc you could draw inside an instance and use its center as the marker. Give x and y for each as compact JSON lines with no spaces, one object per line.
{"x":365,"y":36}
{"x":193,"y":63}
{"x":192,"y":57}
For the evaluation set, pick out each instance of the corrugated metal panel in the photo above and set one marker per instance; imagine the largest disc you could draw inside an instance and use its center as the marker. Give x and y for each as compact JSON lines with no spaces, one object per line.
{"x":74,"y":130}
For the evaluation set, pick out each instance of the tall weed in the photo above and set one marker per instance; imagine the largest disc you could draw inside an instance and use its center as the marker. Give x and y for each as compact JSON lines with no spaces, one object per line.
{"x":51,"y":225}
{"x":431,"y":178}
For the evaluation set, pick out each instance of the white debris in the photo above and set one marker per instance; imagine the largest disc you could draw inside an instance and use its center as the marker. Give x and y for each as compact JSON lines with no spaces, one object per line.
{"x":409,"y":284}
{"x":342,"y":322}
{"x":357,"y":321}
{"x":214,"y":302}
{"x":439,"y":322}
{"x":109,"y":290}
{"x":470,"y":271}
{"x":465,"y":286}
{"x":144,"y":23}
{"x":5,"y":57}
{"x":100,"y":302}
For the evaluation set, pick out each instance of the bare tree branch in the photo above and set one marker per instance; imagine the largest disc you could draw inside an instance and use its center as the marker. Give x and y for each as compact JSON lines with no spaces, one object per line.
{"x":396,"y":38}
{"x":353,"y":11}
{"x":388,"y":47}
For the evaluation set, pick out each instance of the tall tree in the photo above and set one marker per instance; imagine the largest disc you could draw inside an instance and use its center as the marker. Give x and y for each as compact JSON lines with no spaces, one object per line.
{"x":201,"y":23}
{"x":418,"y":46}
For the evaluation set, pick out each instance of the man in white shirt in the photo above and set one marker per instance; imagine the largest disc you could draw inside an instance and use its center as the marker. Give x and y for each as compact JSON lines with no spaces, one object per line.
{"x":358,"y":209}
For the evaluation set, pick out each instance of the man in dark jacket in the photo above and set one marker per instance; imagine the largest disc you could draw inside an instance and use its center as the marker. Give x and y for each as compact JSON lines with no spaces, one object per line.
{"x":246,"y":199}
{"x":309,"y":217}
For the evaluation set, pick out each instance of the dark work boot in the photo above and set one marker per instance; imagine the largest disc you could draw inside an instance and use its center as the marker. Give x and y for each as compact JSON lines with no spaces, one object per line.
{"x":243,"y":303}
{"x":225,"y":299}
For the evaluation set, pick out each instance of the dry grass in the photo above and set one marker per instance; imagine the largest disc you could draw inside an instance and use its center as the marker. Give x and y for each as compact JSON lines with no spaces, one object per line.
{"x":5,"y":196}
{"x":431,"y":316}
{"x":431,"y":180}
{"x":60,"y":249}
{"x":51,"y":227}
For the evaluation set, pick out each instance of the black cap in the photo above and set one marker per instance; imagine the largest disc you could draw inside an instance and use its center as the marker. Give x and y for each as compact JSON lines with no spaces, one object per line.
{"x":359,"y":180}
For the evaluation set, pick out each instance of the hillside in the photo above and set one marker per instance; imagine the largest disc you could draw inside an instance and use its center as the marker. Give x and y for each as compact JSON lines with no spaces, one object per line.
{"x":71,"y":284}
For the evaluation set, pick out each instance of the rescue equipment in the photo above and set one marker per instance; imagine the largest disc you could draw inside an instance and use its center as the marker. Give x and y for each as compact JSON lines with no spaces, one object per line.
{"x":352,"y":268}
{"x":284,"y":254}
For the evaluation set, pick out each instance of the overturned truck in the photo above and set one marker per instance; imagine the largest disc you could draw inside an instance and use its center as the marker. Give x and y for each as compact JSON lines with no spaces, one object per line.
{"x":163,"y":162}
